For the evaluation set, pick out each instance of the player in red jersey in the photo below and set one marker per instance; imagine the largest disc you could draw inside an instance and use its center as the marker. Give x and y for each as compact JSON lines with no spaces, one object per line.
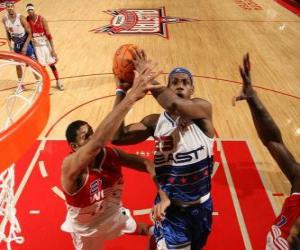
{"x":91,"y":175}
{"x":270,"y":135}
{"x":42,"y":42}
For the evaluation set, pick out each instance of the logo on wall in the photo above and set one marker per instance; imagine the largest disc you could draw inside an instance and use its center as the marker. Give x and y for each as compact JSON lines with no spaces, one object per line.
{"x":140,"y":21}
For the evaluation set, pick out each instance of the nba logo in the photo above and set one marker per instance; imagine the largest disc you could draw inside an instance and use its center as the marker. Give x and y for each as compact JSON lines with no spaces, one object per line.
{"x":96,"y":192}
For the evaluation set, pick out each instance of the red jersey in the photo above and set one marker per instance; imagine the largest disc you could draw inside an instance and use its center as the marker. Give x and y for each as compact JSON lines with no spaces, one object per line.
{"x":38,"y":31}
{"x":97,"y":180}
{"x":277,"y":237}
{"x":100,"y":196}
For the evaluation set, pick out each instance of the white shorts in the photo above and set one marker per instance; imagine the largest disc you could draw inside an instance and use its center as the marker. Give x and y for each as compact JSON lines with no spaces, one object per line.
{"x":119,"y":224}
{"x":43,"y":54}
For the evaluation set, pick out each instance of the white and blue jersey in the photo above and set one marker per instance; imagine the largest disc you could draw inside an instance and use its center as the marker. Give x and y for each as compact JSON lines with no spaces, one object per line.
{"x":183,"y":158}
{"x":183,"y":164}
{"x":18,"y":35}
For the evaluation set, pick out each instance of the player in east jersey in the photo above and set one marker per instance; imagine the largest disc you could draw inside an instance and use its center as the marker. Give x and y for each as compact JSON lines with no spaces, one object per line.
{"x":270,"y":136}
{"x":184,"y":137}
{"x":18,"y":32}
{"x":43,"y":42}
{"x":92,"y":179}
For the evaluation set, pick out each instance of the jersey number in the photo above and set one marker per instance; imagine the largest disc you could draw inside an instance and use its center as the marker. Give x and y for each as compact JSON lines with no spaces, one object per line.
{"x":164,"y":143}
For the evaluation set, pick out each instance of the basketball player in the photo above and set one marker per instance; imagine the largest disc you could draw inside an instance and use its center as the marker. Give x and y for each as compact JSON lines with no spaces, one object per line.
{"x":42,"y":42}
{"x":270,"y":136}
{"x":92,"y":179}
{"x":18,"y":32}
{"x":183,"y":159}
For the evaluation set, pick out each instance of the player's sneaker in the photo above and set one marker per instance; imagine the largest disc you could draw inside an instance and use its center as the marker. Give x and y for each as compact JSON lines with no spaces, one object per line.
{"x":59,"y":85}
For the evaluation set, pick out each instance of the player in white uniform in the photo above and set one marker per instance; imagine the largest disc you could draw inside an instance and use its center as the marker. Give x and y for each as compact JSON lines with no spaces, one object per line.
{"x":42,"y":42}
{"x":18,"y":32}
{"x":183,"y":136}
{"x":92,"y":179}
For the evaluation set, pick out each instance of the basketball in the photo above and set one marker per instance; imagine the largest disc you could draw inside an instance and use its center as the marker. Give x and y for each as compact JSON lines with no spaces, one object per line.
{"x":122,"y":63}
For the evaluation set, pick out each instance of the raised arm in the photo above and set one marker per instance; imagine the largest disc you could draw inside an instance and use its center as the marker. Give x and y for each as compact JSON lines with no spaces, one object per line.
{"x":28,"y":31}
{"x":195,"y":108}
{"x":141,"y":164}
{"x":267,"y":129}
{"x":133,"y":133}
{"x":79,"y":160}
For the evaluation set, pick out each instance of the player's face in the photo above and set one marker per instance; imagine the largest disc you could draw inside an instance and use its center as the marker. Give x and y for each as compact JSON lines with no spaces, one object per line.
{"x":30,"y":13}
{"x":182,"y":85}
{"x":10,"y":8}
{"x":84,"y":134}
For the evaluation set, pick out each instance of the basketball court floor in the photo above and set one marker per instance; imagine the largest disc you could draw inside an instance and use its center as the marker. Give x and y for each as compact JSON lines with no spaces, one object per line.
{"x":207,"y":36}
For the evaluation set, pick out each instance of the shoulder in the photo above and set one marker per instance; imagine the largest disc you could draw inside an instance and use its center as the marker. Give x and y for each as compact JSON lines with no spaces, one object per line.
{"x":42,"y":18}
{"x":22,"y":19}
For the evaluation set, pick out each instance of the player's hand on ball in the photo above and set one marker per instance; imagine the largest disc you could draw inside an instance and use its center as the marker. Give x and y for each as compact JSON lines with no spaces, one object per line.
{"x":139,"y":59}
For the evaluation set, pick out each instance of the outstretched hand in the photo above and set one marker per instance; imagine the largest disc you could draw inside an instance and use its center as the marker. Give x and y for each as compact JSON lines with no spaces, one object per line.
{"x":143,"y":81}
{"x":139,"y":59}
{"x":247,"y":90}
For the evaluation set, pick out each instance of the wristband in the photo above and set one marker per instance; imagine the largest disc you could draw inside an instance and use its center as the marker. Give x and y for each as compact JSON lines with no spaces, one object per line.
{"x":120,"y":91}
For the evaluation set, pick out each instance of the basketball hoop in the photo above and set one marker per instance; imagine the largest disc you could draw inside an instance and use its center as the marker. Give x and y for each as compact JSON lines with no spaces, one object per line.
{"x":26,"y":116}
{"x":28,"y":122}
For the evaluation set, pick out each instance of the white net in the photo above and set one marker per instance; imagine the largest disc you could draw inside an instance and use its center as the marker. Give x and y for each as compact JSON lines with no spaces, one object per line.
{"x":17,"y":100}
{"x":9,"y":227}
{"x":16,"y":97}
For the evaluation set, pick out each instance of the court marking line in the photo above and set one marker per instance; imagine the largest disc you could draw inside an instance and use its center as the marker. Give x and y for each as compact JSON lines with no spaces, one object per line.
{"x":43,"y":169}
{"x":263,"y":179}
{"x":195,"y":20}
{"x":58,"y":192}
{"x":195,"y":76}
{"x":235,"y":200}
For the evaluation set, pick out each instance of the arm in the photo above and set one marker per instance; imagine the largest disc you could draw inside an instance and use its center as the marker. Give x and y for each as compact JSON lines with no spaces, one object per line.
{"x":133,"y":133}
{"x":136,"y":132}
{"x":79,"y":160}
{"x":266,"y":127}
{"x":192,"y":108}
{"x":141,"y":164}
{"x":28,"y":31}
{"x":49,"y":36}
{"x":7,"y":35}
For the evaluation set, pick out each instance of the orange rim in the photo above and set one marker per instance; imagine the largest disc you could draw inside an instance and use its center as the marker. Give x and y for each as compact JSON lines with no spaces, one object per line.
{"x":19,"y":137}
